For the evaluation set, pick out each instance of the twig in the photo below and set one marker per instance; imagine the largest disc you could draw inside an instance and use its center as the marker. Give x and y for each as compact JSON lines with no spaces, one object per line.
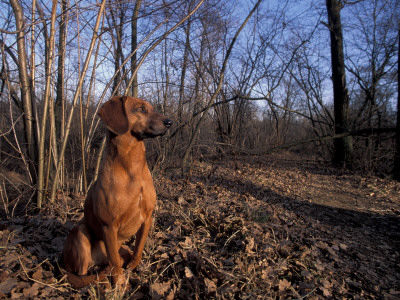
{"x":51,"y":285}
{"x":186,"y":217}
{"x":11,"y":127}
{"x":218,"y":269}
{"x":4,"y":199}
{"x":166,"y":268}
{"x":16,"y":141}
{"x":306,"y":295}
{"x":8,"y":248}
{"x":231,"y":237}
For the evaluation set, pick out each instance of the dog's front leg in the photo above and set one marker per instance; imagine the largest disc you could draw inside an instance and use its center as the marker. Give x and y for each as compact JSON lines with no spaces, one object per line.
{"x":141,"y":236}
{"x":112,"y":247}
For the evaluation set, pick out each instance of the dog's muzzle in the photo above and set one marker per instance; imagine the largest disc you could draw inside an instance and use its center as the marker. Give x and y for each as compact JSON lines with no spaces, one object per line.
{"x":167,"y":123}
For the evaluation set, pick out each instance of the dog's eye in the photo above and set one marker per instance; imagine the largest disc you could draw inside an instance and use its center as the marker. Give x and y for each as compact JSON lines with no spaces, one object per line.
{"x":141,"y":109}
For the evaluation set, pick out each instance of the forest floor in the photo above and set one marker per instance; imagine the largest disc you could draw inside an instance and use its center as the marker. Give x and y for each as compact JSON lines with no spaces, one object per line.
{"x":271,"y":227}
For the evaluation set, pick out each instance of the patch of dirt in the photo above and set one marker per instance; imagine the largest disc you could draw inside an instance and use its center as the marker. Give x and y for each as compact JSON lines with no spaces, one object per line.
{"x":266,"y":227}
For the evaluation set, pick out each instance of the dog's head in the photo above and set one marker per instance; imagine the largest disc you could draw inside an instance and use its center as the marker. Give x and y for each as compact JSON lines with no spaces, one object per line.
{"x":133,"y":115}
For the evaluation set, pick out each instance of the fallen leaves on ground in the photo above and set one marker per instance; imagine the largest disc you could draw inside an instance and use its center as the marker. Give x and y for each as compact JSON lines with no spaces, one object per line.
{"x":235,"y":228}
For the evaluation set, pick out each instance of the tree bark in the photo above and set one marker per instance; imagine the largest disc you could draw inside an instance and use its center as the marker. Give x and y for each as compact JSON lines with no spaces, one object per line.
{"x":134,"y":46}
{"x":343,"y":147}
{"x":396,"y":168}
{"x":26,"y":91}
{"x":36,"y":128}
{"x":118,"y":41}
{"x":47,"y":96}
{"x":76,"y":97}
{"x":183,"y":74}
{"x":61,"y":71}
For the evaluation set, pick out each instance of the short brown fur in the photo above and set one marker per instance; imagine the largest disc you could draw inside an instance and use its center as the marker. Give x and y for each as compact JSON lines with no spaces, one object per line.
{"x":121,"y":202}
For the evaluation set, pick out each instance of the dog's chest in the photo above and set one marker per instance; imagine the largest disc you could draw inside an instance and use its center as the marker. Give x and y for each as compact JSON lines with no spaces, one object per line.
{"x":129,"y":199}
{"x":131,"y":219}
{"x":135,"y":214}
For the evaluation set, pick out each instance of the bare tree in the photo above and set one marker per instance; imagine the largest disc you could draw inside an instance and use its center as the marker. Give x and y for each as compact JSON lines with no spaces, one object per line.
{"x":370,"y":60}
{"x":230,"y":89}
{"x":134,"y":44}
{"x":26,"y":91}
{"x":76,"y":97}
{"x":396,"y":167}
{"x":219,"y":85}
{"x":117,"y":17}
{"x":343,"y":153}
{"x":47,"y":99}
{"x":60,"y":85}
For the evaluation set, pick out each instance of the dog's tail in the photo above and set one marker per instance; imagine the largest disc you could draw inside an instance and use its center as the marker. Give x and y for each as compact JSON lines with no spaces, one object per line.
{"x":79,"y":281}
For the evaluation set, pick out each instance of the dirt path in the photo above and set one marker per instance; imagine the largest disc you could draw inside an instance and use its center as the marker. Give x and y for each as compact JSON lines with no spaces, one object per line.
{"x":240,"y":227}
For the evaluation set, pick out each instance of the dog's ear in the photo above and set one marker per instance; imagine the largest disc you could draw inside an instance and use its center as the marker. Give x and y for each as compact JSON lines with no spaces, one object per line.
{"x":114,"y":116}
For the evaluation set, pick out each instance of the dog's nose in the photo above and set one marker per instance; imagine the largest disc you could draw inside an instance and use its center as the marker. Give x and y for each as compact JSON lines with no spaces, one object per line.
{"x":167,"y":123}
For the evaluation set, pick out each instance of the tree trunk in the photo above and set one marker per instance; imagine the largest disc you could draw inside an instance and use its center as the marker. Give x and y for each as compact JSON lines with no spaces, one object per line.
{"x":183,"y":74}
{"x":26,"y":92}
{"x":343,"y":147}
{"x":75,"y":99}
{"x":36,"y":128}
{"x":117,"y":23}
{"x":47,"y":99}
{"x":61,"y":71}
{"x":396,"y":168}
{"x":134,"y":46}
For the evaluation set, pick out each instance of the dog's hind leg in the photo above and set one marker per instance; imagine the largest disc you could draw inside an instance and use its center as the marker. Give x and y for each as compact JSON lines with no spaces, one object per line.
{"x":77,"y":250}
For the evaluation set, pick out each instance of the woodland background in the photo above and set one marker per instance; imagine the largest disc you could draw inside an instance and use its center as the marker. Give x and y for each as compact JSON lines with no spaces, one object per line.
{"x":278,"y":177}
{"x":235,"y":76}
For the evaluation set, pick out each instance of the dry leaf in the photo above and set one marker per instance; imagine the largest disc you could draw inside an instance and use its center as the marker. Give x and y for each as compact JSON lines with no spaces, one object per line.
{"x":250,"y":244}
{"x":32,"y":291}
{"x":211,"y":287}
{"x":326,"y":292}
{"x":7,"y":285}
{"x":15,"y":295}
{"x":188,"y":273}
{"x":306,"y":286}
{"x":284,"y":285}
{"x":158,"y":290}
{"x":306,"y":273}
{"x":38,"y":275}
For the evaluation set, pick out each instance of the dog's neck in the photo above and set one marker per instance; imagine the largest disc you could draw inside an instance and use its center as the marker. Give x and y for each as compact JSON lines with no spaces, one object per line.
{"x":127,"y":150}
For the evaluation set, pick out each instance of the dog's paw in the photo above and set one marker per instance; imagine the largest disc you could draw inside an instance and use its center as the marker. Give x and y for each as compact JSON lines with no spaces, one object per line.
{"x":133,"y":264}
{"x":118,"y":279}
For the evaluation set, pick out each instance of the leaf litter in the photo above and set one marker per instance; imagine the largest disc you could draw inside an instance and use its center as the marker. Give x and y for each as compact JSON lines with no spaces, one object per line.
{"x":271,"y":227}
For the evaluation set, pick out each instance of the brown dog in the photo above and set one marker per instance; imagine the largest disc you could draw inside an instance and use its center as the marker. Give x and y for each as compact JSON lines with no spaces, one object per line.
{"x":121,"y":202}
